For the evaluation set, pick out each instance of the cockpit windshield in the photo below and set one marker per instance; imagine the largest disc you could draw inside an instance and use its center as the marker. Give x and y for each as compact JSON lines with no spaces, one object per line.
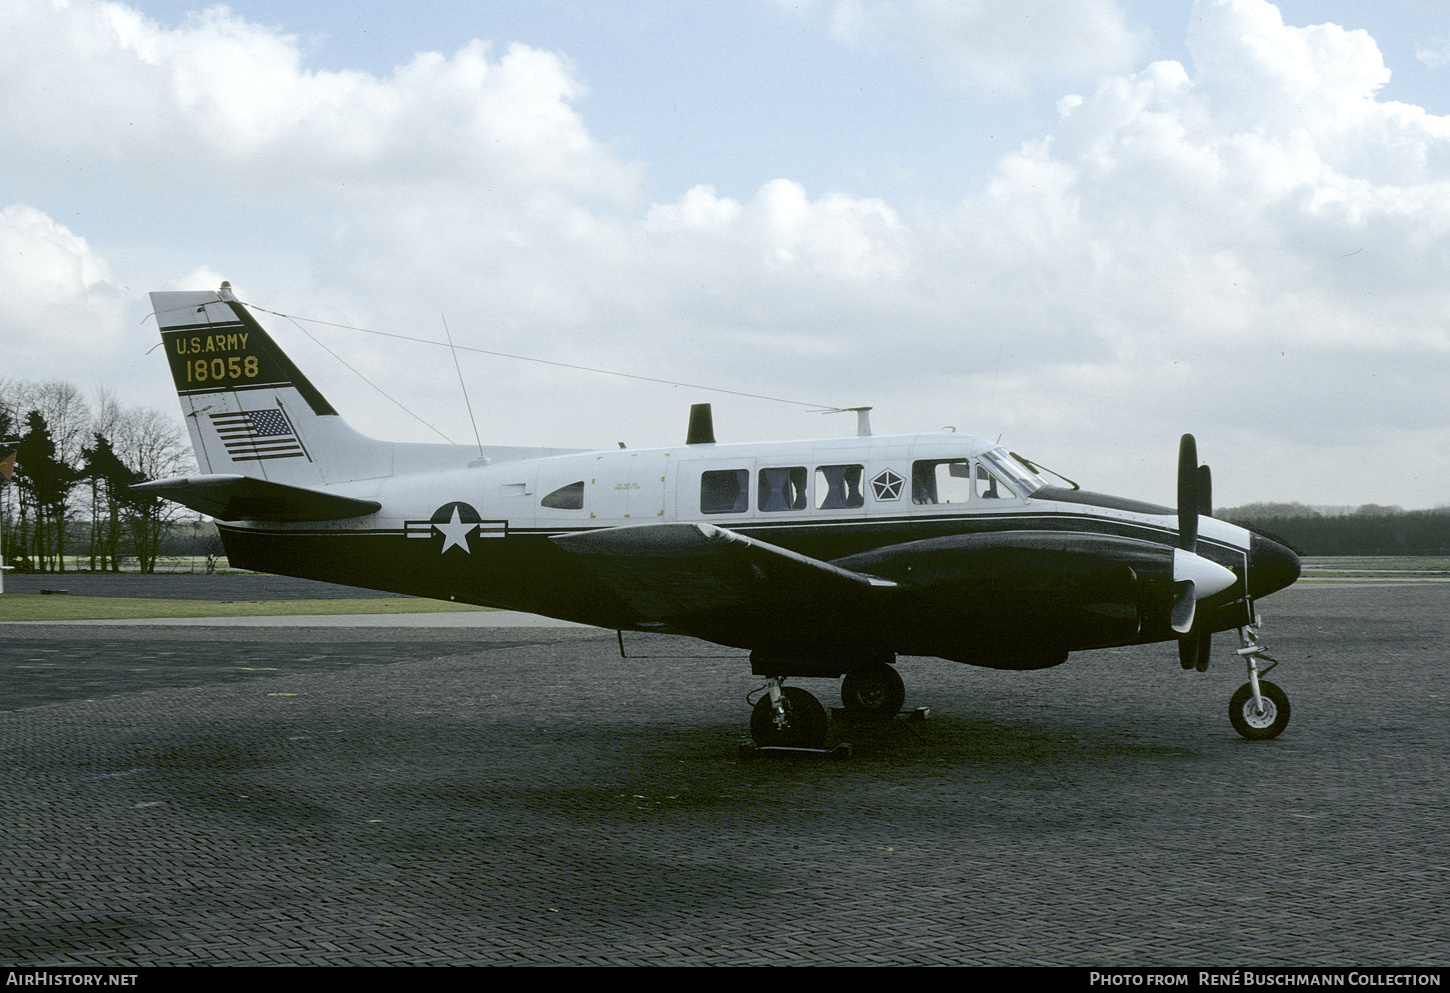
{"x":1023,"y":480}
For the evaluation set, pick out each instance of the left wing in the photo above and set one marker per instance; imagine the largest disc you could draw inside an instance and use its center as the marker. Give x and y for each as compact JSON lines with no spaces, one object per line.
{"x":698,"y":578}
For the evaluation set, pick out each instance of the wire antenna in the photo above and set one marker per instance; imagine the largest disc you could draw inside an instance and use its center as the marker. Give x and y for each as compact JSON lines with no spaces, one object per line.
{"x":353,"y":369}
{"x":562,"y":365}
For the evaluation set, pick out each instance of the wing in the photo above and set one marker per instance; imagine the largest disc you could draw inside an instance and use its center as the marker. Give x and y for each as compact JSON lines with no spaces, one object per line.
{"x":718,"y":584}
{"x":236,"y":498}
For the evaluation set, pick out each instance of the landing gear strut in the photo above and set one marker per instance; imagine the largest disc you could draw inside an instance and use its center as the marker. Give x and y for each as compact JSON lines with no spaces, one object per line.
{"x":1259,"y":710}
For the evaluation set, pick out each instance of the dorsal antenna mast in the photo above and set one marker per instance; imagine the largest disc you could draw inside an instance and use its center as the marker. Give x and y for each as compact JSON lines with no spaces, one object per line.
{"x":464,"y":386}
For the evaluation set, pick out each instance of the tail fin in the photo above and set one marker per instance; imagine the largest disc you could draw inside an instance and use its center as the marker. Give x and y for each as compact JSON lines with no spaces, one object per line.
{"x":249,"y":410}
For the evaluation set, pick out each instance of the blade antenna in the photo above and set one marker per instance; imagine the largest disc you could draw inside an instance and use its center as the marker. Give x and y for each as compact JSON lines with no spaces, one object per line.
{"x":466,"y":402}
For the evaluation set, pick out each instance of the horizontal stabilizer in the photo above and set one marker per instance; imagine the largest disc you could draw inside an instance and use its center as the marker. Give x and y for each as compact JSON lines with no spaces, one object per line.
{"x":670,"y":571}
{"x":244,"y":498}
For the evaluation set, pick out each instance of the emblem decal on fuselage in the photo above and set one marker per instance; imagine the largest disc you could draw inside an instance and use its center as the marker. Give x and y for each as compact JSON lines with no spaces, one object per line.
{"x":887,"y":486}
{"x":455,"y":522}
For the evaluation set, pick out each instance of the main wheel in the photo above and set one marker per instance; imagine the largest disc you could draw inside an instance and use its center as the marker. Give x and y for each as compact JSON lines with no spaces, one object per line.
{"x":805,"y":721}
{"x":1259,"y":726}
{"x":875,"y":693}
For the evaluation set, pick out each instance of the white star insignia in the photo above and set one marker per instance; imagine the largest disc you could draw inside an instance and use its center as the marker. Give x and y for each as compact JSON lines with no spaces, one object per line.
{"x":455,"y":532}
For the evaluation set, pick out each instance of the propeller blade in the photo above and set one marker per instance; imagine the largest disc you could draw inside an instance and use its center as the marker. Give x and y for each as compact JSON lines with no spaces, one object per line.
{"x":1188,"y":652}
{"x":1195,"y":498}
{"x":1194,"y":649}
{"x":1188,"y":498}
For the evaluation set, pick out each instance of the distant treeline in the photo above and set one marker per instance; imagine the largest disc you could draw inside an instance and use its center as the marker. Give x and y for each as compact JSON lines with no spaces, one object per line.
{"x":74,"y":464}
{"x":177,"y":537}
{"x":1368,"y":530}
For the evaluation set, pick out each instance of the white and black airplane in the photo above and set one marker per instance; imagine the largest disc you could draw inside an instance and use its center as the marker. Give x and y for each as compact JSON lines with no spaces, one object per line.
{"x":826,"y":558}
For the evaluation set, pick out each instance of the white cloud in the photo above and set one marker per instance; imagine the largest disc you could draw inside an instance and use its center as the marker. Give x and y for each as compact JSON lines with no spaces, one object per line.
{"x":1252,"y":246}
{"x":782,"y":229}
{"x":993,"y":45}
{"x":1258,"y":244}
{"x":65,"y":316}
{"x":1434,"y":54}
{"x":224,"y":104}
{"x":59,"y":295}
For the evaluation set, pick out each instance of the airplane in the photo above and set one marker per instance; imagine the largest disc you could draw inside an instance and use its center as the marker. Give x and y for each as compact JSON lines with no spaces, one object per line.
{"x":829,"y":558}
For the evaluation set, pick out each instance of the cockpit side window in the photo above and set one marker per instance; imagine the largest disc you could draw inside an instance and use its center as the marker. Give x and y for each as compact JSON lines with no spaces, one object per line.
{"x":990,"y":486}
{"x":569,"y":497}
{"x":724,"y":491}
{"x":782,"y":489}
{"x":941,"y":481}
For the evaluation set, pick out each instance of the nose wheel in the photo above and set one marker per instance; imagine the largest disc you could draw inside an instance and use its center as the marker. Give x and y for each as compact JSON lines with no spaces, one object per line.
{"x":1263,"y":720}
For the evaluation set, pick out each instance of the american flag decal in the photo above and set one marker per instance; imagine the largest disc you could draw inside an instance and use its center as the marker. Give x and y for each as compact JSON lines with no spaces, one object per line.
{"x":253,"y":435}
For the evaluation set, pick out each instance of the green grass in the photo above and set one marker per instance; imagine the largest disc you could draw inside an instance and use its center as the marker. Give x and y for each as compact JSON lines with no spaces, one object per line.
{"x":40,"y":607}
{"x":1383,"y":569}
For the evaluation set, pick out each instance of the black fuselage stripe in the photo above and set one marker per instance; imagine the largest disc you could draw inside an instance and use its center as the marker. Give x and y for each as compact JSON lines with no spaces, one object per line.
{"x":1085,"y":523}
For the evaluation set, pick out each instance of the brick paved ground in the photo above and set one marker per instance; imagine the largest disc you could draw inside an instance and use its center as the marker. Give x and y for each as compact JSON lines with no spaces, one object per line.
{"x":557,"y":804}
{"x":47,"y":664}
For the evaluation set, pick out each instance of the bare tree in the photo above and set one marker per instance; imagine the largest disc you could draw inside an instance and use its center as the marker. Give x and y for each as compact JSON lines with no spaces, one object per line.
{"x":108,"y":477}
{"x":117,"y":446}
{"x":151,"y":444}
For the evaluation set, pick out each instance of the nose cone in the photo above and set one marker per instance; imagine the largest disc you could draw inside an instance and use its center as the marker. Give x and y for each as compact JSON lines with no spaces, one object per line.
{"x":1272,"y":566}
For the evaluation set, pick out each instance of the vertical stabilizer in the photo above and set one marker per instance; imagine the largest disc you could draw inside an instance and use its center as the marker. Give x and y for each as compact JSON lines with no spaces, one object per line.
{"x":249,"y":409}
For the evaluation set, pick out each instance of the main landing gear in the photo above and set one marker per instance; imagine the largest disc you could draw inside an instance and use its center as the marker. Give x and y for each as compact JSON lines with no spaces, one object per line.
{"x":873,"y":693}
{"x":1258,"y":710}
{"x":787,"y":717}
{"x":790,"y":717}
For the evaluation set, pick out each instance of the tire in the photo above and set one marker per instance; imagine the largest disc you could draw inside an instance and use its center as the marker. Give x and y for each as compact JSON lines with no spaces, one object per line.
{"x":875,"y":693}
{"x":1259,"y":727}
{"x":806,"y":717}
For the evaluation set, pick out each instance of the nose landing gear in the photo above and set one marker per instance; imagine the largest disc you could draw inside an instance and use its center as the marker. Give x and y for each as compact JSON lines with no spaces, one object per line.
{"x":1258,"y":710}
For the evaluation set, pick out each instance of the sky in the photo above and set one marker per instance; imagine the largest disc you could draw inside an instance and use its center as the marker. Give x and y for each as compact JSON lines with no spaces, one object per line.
{"x":1082,"y":228}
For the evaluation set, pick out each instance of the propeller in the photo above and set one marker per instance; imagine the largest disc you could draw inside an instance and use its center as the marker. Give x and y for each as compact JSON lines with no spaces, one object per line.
{"x":1187,"y":493}
{"x":1195,"y":498}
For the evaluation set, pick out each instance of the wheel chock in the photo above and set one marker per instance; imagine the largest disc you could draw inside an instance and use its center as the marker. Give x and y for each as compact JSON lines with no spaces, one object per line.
{"x":750,"y":750}
{"x":842,"y":714}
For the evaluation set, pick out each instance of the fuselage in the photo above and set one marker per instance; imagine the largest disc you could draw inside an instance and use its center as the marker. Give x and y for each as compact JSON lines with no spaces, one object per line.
{"x":993,"y":545}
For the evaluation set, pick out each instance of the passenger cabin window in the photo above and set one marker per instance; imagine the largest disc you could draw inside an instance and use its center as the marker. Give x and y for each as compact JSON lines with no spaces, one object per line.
{"x":724,"y":491}
{"x":569,"y":497}
{"x":782,"y":489}
{"x":839,"y":486}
